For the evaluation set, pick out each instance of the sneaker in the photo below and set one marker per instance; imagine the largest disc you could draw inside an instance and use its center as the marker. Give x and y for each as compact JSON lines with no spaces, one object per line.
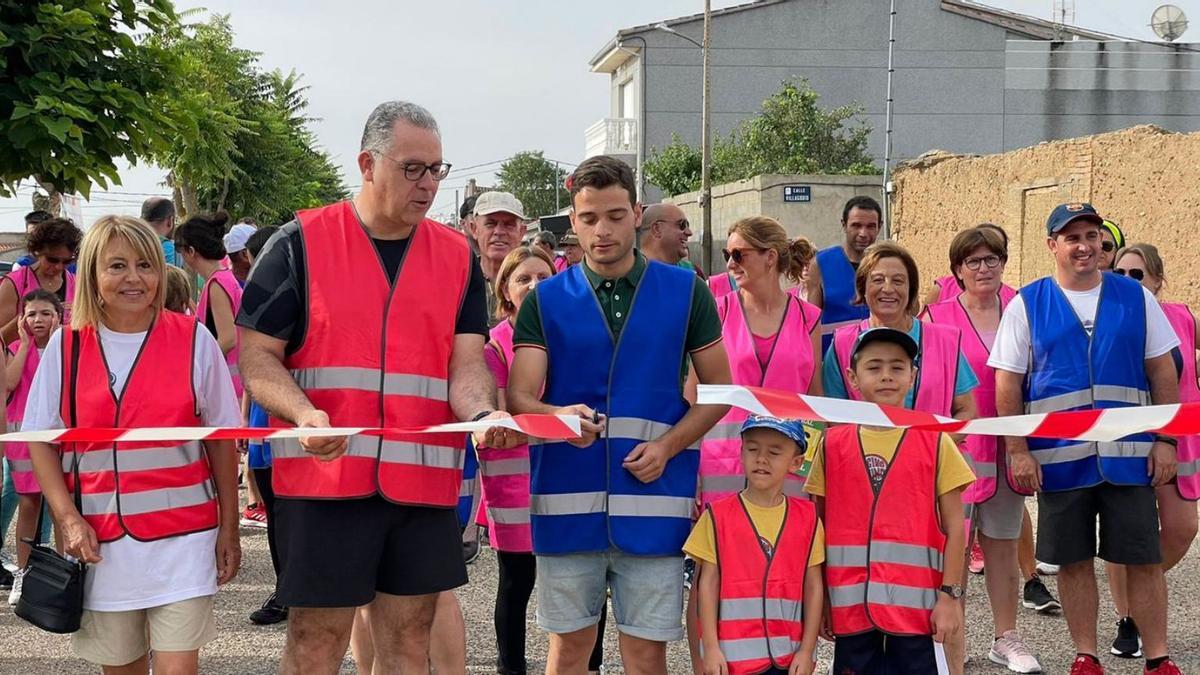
{"x":8,"y":563}
{"x":255,"y":515}
{"x":270,"y":613}
{"x":1047,"y":569}
{"x":1128,"y":644}
{"x":1167,"y":667}
{"x":1009,"y":650}
{"x":470,"y":551}
{"x":15,"y":594}
{"x":1085,"y":666}
{"x":1037,"y":597}
{"x":6,"y":579}
{"x":976,"y":563}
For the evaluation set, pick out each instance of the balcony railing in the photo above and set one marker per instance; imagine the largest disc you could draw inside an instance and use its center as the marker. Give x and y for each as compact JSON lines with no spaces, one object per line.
{"x":612,"y":136}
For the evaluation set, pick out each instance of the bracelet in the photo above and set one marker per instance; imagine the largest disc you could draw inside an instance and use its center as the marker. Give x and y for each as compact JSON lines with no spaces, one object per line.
{"x":1173,"y":442}
{"x":482,"y":415}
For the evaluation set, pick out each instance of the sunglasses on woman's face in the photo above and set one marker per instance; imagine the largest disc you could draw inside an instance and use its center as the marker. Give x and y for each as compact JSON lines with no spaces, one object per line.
{"x":737,"y":255}
{"x":1135,"y":273}
{"x":1107,"y":246}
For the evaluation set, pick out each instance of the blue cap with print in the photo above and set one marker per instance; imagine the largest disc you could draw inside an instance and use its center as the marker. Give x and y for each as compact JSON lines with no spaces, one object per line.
{"x":1065,"y":214}
{"x":793,"y":429}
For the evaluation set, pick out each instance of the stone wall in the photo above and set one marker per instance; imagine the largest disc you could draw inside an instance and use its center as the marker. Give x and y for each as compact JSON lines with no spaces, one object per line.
{"x":1143,"y":178}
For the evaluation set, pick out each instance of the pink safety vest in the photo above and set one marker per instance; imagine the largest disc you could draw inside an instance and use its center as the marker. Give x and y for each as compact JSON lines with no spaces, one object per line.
{"x":24,"y":482}
{"x":950,"y":290}
{"x":984,"y":452}
{"x":505,"y":474}
{"x":1188,"y":480}
{"x":26,"y":280}
{"x":789,"y":368}
{"x":938,"y":367}
{"x":225,"y":279}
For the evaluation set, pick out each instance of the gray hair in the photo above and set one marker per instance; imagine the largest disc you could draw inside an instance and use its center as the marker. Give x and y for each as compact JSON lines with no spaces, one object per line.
{"x":377,"y":134}
{"x":546,"y":237}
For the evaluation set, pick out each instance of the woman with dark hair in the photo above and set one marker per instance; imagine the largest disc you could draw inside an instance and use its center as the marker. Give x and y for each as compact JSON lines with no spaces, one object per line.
{"x":950,"y":286}
{"x":53,"y":244}
{"x":200,"y":245}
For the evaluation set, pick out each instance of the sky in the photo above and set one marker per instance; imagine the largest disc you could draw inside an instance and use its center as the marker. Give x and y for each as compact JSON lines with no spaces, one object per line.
{"x":501,"y":76}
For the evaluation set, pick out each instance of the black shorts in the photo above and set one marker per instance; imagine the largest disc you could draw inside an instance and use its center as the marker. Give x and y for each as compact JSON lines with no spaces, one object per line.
{"x":340,"y":552}
{"x":876,"y":653}
{"x":1128,"y":516}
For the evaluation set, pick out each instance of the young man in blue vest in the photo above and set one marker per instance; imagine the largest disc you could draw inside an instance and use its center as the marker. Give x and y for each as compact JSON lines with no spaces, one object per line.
{"x":831,"y":278}
{"x":1084,"y":340}
{"x":607,"y":340}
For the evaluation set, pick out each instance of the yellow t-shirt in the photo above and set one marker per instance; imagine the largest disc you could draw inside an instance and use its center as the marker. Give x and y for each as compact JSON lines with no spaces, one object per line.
{"x":879,"y":447}
{"x":702,"y":545}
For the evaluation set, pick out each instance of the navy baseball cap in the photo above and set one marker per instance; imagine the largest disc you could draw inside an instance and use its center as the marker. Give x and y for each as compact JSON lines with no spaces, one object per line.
{"x":896,"y":337}
{"x":793,"y":429}
{"x":1065,"y":214}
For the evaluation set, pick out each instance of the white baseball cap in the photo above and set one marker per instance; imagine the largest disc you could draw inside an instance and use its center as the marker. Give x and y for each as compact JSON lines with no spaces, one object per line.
{"x":238,"y":235}
{"x":499,"y":202}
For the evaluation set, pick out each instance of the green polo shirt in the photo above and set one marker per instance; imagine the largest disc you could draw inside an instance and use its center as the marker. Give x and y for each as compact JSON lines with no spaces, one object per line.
{"x":616,"y":296}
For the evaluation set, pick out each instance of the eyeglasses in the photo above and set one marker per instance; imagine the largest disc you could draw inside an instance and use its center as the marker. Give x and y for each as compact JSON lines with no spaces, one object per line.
{"x":414,"y":171}
{"x":989,"y":261}
{"x":1134,"y":274}
{"x":58,"y":261}
{"x":737,"y":254}
{"x":682,"y":223}
{"x":1107,"y":246}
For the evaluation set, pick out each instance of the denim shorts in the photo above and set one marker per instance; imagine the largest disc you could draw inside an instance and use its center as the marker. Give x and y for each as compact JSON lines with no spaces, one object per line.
{"x":647,"y":593}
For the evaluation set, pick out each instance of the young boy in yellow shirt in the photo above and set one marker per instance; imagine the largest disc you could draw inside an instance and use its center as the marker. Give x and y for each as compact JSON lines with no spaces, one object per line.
{"x":891,"y":501}
{"x":760,"y":555}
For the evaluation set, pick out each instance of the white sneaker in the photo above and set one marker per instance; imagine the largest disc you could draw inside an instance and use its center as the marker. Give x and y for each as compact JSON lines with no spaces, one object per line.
{"x":15,"y":594}
{"x":1010,"y":651}
{"x":1047,"y":569}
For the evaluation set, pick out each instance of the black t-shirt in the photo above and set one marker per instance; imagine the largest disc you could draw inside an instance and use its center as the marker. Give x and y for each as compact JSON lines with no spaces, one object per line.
{"x":274,"y":302}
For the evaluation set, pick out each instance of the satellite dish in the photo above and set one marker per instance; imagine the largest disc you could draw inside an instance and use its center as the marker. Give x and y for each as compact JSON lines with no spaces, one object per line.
{"x":1168,"y":22}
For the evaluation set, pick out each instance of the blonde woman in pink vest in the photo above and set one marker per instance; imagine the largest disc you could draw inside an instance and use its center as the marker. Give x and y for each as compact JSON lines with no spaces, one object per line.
{"x":53,"y":244}
{"x":199,"y":242}
{"x":43,"y":314}
{"x":770,"y":336}
{"x":1176,"y":503}
{"x":505,"y":473}
{"x":977,"y":258}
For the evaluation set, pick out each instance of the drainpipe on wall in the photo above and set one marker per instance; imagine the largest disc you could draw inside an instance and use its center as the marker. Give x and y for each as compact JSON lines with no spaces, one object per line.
{"x":887,"y":136}
{"x":641,"y":122}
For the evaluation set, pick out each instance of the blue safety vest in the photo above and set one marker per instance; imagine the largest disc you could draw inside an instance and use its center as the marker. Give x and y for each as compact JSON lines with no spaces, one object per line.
{"x":1113,"y":376}
{"x":837,"y":284}
{"x":584,"y":499}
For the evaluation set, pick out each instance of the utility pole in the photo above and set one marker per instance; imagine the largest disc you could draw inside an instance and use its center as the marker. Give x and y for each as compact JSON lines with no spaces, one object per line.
{"x":555,"y":184}
{"x":887,"y":135}
{"x":706,"y":240}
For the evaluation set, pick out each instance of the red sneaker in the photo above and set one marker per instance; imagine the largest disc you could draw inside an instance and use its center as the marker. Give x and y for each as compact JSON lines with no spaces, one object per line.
{"x":254,"y":515}
{"x":975,"y":565}
{"x":1085,"y":666}
{"x":1167,"y":667}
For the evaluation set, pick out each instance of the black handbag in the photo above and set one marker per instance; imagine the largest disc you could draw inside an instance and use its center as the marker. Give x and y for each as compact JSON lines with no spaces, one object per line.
{"x":52,"y":588}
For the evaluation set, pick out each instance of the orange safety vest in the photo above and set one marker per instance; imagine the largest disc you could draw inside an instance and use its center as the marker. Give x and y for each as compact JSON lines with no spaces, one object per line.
{"x":148,"y":490}
{"x":883,"y":553}
{"x":377,"y":354}
{"x":760,"y":620}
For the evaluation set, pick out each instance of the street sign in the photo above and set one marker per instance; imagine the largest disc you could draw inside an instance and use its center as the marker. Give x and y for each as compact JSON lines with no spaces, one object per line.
{"x":797,"y":193}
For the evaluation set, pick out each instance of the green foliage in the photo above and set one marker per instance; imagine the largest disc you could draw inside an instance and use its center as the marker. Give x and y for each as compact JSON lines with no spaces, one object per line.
{"x":77,"y":89}
{"x":535,"y":181}
{"x":792,"y":135}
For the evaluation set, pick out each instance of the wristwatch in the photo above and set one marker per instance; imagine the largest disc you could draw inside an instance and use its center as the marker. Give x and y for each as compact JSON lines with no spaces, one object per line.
{"x":955,"y":592}
{"x":1173,"y":442}
{"x":482,"y":414}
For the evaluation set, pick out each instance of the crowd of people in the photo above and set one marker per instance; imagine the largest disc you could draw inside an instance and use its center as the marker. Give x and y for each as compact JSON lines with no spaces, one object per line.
{"x":751,"y":537}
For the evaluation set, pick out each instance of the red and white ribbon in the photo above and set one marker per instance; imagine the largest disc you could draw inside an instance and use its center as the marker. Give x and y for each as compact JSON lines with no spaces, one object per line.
{"x":1084,"y":425}
{"x":552,"y":427}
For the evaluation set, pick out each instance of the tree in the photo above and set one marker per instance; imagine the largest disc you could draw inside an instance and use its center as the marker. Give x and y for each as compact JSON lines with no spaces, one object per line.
{"x":536,"y":181}
{"x":792,"y":135}
{"x":78,"y":91}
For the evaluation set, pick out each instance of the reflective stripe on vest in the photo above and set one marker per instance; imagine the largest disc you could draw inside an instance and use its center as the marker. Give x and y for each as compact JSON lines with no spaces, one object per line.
{"x":584,"y":499}
{"x":1072,"y":370}
{"x":884,"y":552}
{"x":760,"y":613}
{"x":376,"y":354}
{"x":147,"y":490}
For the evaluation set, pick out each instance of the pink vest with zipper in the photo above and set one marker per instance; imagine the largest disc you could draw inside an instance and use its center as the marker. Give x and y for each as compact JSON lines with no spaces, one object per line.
{"x":24,"y":482}
{"x":505,"y":474}
{"x":1188,"y":480}
{"x":938,"y":366}
{"x":789,"y":368}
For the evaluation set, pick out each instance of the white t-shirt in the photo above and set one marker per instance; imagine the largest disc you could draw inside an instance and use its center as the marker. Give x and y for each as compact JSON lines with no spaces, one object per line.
{"x":142,"y":574}
{"x":1011,"y":349}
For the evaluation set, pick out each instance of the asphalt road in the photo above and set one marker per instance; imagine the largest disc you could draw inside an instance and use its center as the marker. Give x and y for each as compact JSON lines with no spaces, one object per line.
{"x":242,"y":648}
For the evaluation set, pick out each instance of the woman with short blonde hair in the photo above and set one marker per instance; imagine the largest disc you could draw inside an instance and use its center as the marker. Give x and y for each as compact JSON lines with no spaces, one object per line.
{"x":159,"y":521}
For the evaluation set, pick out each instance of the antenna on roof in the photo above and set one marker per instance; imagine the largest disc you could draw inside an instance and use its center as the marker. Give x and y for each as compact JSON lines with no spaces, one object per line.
{"x":1062,"y":14}
{"x":1168,"y":22}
